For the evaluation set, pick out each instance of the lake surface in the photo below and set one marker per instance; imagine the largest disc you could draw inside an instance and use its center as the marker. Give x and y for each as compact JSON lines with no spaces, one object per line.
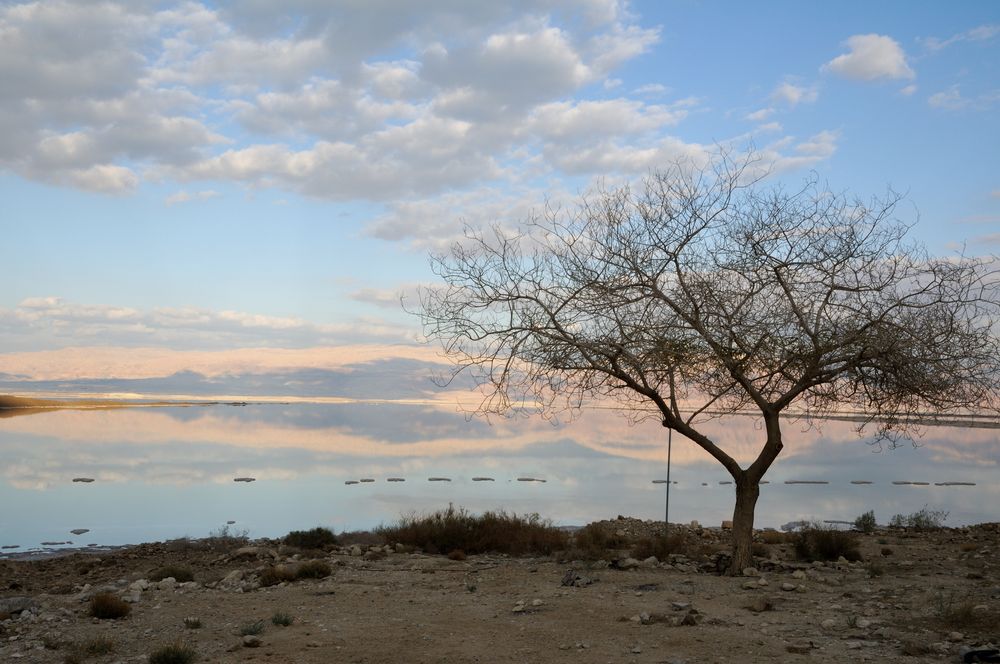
{"x":168,"y":472}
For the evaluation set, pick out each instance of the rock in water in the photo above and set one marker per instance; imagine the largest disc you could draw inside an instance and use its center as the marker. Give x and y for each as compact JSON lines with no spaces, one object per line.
{"x":80,"y":531}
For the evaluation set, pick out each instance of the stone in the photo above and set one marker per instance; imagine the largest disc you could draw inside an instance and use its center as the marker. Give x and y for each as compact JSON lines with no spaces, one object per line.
{"x":828,"y":624}
{"x":357,"y":551}
{"x":727,"y":525}
{"x":17,"y":604}
{"x":761,"y":582}
{"x":652,"y":561}
{"x":799,"y":647}
{"x":537,"y":602}
{"x":680,"y":606}
{"x":628,"y":563}
{"x":750,"y":585}
{"x":750,"y":571}
{"x":955,"y":636}
{"x":518,"y":608}
{"x":863,"y":623}
{"x":788,"y":587}
{"x":798,"y":574}
{"x":251,"y":641}
{"x":232,"y":580}
{"x":167,"y":584}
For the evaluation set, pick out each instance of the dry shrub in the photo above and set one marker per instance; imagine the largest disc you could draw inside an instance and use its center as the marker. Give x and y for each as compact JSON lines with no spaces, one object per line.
{"x":275,"y":574}
{"x":773,"y":537}
{"x":317,"y":538}
{"x":760,"y":550}
{"x":109,"y":606}
{"x":823,"y":544}
{"x":360,"y":537}
{"x":660,"y":546}
{"x":967,"y":547}
{"x":313,"y":569}
{"x":180,"y":574}
{"x":497,"y":532}
{"x":456,"y":554}
{"x":595,"y":541}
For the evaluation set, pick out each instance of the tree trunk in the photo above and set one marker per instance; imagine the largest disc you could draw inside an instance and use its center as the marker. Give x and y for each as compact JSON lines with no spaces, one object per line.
{"x":747,"y":492}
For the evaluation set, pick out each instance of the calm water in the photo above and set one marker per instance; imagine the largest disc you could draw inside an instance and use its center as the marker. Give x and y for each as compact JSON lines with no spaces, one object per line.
{"x":168,"y":472}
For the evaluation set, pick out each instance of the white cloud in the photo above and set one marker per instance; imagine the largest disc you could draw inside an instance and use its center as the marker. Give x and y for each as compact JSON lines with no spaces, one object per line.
{"x":651,"y":89}
{"x":760,"y":115}
{"x":183,"y":196}
{"x":908,"y":90}
{"x":793,"y":95}
{"x":979,"y":33}
{"x":55,"y":322}
{"x":871,"y":57}
{"x":952,"y":100}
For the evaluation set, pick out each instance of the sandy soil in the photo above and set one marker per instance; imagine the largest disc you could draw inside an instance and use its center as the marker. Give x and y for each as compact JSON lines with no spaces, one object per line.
{"x":932,"y":596}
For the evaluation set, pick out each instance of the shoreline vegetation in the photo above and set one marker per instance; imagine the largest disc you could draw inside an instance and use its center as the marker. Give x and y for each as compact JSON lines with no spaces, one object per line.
{"x":12,"y":405}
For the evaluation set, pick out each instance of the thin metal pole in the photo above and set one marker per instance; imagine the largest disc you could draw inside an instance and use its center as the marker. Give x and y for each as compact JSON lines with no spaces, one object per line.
{"x":666,"y":512}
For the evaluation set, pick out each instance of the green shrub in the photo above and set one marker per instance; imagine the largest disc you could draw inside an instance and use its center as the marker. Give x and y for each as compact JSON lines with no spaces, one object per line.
{"x":866,"y":522}
{"x":173,"y":654}
{"x":282,"y":619}
{"x":497,"y":532}
{"x":108,"y":606}
{"x":823,"y":544}
{"x":925,"y":519}
{"x":317,"y":538}
{"x":180,"y":574}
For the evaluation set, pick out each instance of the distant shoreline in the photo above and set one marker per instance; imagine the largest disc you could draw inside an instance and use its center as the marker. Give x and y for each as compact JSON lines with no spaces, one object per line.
{"x":11,"y":405}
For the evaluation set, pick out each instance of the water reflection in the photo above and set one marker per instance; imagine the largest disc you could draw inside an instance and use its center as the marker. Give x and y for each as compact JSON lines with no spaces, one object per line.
{"x":168,"y":472}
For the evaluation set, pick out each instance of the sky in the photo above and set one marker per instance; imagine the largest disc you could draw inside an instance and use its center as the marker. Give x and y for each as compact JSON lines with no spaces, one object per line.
{"x":220,"y":189}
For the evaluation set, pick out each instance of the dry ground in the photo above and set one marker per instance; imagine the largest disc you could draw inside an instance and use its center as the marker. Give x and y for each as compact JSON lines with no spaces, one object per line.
{"x":917,"y":597}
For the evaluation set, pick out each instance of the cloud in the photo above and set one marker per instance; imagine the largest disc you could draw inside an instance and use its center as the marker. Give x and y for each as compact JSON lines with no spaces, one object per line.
{"x":871,"y":57}
{"x":651,"y":89}
{"x":793,"y":95}
{"x":760,"y":115}
{"x":908,"y":90}
{"x":54,"y":322}
{"x":952,"y":100}
{"x":185,"y":197}
{"x":335,"y":101}
{"x":980,"y":33}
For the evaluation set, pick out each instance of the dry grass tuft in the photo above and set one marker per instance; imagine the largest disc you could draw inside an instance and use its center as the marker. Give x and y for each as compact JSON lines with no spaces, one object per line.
{"x":173,"y":654}
{"x":108,"y":606}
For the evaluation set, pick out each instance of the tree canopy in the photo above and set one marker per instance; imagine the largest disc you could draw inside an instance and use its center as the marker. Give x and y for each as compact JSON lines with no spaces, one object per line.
{"x":705,"y":292}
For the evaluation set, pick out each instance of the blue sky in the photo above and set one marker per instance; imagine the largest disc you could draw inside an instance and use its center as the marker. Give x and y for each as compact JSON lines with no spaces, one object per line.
{"x":179,"y":180}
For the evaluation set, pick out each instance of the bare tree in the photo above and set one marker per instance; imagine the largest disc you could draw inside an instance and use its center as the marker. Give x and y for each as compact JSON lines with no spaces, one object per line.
{"x":706,"y":294}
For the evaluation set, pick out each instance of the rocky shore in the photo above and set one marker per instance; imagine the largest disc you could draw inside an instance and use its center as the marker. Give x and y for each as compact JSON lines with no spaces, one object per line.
{"x":917,"y":596}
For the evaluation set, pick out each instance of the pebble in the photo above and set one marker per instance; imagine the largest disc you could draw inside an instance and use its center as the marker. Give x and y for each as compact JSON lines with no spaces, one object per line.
{"x":750,"y":571}
{"x":788,"y":587}
{"x":798,"y":574}
{"x":251,"y":641}
{"x":828,"y":624}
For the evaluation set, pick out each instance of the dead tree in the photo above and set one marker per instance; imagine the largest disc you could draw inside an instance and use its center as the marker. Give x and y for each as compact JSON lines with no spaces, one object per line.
{"x":707,"y":293}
